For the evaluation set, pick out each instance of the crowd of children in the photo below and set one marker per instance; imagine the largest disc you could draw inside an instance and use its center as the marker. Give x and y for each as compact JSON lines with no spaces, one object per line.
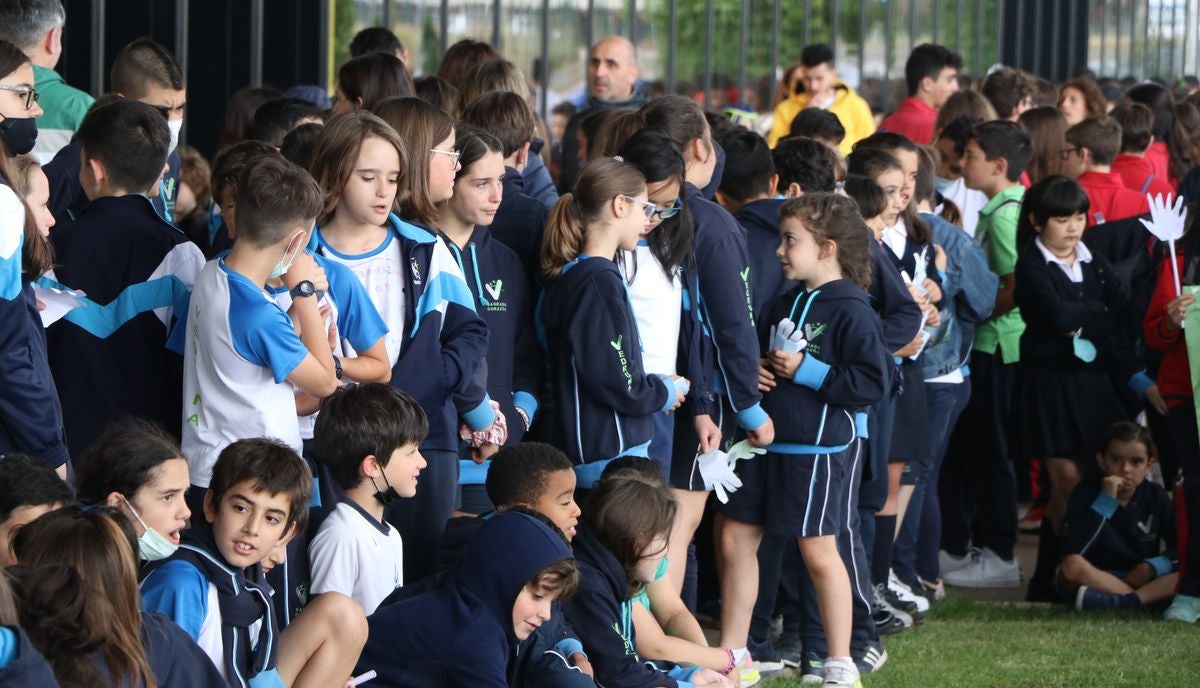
{"x":391,"y":395}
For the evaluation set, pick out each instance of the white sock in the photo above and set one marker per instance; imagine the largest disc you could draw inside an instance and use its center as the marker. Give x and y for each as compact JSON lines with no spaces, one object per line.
{"x":739,"y":655}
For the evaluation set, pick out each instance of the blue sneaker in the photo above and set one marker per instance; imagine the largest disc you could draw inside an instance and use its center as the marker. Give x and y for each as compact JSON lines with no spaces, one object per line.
{"x":812,"y":670}
{"x":766,"y":657}
{"x":1183,"y":608}
{"x":1087,"y":599}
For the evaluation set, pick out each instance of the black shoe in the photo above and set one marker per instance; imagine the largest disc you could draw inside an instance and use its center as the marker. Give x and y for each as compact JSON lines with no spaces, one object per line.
{"x":766,"y":657}
{"x":887,"y":623}
{"x":789,"y":648}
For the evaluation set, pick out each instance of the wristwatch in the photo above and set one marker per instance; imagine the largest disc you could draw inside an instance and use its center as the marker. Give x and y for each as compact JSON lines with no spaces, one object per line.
{"x":305,"y":288}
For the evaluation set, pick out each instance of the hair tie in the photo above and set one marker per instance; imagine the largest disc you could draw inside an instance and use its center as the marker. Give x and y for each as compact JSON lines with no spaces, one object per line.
{"x":618,"y":158}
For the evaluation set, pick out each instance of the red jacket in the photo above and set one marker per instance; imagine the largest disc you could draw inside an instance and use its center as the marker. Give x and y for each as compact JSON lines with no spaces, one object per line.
{"x":1174,"y":374}
{"x":1109,"y":199}
{"x":1138,"y":175}
{"x":1160,"y":157}
{"x":914,"y":119}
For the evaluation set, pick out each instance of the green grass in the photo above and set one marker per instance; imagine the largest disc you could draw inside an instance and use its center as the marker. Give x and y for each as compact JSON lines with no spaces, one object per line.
{"x":970,"y":643}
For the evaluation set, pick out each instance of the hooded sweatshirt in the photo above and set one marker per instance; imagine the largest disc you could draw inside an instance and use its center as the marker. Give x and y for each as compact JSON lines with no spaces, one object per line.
{"x":606,"y":401}
{"x":851,"y":110}
{"x":760,"y":220}
{"x":462,"y":634}
{"x":845,"y":367}
{"x":21,"y":665}
{"x":520,"y":223}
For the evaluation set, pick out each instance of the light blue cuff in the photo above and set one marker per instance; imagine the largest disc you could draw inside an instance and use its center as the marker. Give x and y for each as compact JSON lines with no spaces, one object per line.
{"x":1161,"y":565}
{"x":569,"y":646}
{"x":1140,"y":382}
{"x":471,"y":473}
{"x":267,"y":679}
{"x":482,"y":416}
{"x":671,"y":390}
{"x":682,"y":674}
{"x":811,"y":373}
{"x":861,"y":425}
{"x":752,"y":418}
{"x":527,"y":403}
{"x":1105,"y":505}
{"x":8,"y":646}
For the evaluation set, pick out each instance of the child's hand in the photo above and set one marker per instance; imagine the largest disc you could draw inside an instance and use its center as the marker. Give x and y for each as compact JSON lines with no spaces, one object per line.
{"x":579,"y":661}
{"x":319,"y":280}
{"x":933,"y":316}
{"x":708,"y":432}
{"x":762,"y":436}
{"x":304,"y":268}
{"x":766,"y":379}
{"x":1140,"y":575}
{"x":913,"y":347}
{"x":680,"y":394}
{"x":1112,"y":485}
{"x":484,"y":452}
{"x":1154,"y":398}
{"x":1177,"y":310}
{"x":784,"y":364}
{"x":932,"y":290}
{"x":708,"y":677}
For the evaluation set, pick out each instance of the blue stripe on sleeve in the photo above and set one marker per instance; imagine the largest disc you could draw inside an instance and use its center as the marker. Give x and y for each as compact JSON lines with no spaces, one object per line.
{"x":180,"y":591}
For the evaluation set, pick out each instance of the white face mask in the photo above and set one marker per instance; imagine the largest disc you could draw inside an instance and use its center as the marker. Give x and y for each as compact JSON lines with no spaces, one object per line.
{"x":285,"y":263}
{"x":175,"y":125}
{"x":152,"y":545}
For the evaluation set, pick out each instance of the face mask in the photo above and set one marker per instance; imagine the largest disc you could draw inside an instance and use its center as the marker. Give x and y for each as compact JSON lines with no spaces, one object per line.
{"x":18,"y":134}
{"x":1084,"y":350}
{"x":388,"y":496}
{"x":284,"y":264}
{"x":152,"y":545}
{"x":175,"y":125}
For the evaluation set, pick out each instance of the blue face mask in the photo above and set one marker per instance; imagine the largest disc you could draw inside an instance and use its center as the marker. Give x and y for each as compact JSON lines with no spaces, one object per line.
{"x":152,"y":545}
{"x":285,"y":263}
{"x":1084,"y":349}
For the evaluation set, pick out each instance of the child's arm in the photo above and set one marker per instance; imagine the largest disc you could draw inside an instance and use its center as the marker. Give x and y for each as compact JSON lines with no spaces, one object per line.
{"x":653,"y":642}
{"x":315,"y":373}
{"x":464,"y":340}
{"x":1159,"y":327}
{"x":977,"y":285}
{"x":1088,"y":510}
{"x":360,"y":324}
{"x":178,"y":590}
{"x":900,"y":316}
{"x":28,"y":405}
{"x":858,"y":377}
{"x":1002,"y":256}
{"x":672,"y":616}
{"x":1040,"y":303}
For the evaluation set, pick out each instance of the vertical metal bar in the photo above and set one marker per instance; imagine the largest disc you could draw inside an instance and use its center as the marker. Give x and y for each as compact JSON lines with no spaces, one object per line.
{"x":256,"y":42}
{"x":958,"y":22}
{"x":889,"y":42}
{"x":833,"y":28}
{"x":1072,"y":36}
{"x":937,"y":15}
{"x":807,"y":22}
{"x":97,"y":47}
{"x":544,"y":67}
{"x":631,"y":13}
{"x":1171,"y":54}
{"x":387,"y":14}
{"x":777,"y":14}
{"x":744,"y":50}
{"x":1103,"y":37}
{"x":980,"y":67}
{"x":862,"y":44}
{"x":496,"y":40}
{"x":672,"y":41}
{"x":443,"y":27}
{"x":324,"y":44}
{"x":1055,"y":30}
{"x":709,"y":29}
{"x":1117,"y":42}
{"x":912,"y":24}
{"x":181,"y":36}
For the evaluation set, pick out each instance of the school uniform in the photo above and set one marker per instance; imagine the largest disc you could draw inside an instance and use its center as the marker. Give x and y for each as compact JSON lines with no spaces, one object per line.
{"x":462,"y":634}
{"x":601,"y":612}
{"x":1117,"y":537}
{"x":1109,"y":199}
{"x":175,"y":658}
{"x":537,"y":180}
{"x":356,"y":555}
{"x":419,"y":289}
{"x":227,"y":611}
{"x":519,"y":224}
{"x":913,"y":118}
{"x":1159,"y":157}
{"x":1066,"y":402}
{"x":724,"y":304}
{"x":1137,"y":173}
{"x":21,"y":665}
{"x":845,"y":367}
{"x":120,"y":354}
{"x":30,"y":414}
{"x":605,"y":398}
{"x":67,"y":198}
{"x":760,"y":221}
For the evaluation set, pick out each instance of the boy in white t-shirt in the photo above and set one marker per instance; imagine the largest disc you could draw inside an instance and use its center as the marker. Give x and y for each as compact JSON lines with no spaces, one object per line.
{"x":241,"y":346}
{"x":369,"y":437}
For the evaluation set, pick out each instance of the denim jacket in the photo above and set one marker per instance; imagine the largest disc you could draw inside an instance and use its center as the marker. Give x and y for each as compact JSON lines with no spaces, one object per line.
{"x":968,"y":296}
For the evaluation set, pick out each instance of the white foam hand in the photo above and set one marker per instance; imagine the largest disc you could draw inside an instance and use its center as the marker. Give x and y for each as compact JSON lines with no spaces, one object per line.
{"x":1166,"y":219}
{"x":787,"y":337}
{"x":743,"y":450}
{"x":718,"y":475}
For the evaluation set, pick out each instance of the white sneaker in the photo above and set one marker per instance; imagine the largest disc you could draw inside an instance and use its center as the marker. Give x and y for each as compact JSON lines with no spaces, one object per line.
{"x":987,"y":571}
{"x":841,"y":674}
{"x":905,"y":592}
{"x":947,"y":562}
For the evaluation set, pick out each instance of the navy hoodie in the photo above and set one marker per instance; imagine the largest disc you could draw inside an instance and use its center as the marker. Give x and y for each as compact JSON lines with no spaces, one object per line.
{"x":440,"y":324}
{"x":606,"y":400}
{"x":520,"y":223}
{"x":1116,"y":537}
{"x":462,"y":634}
{"x":727,"y":308}
{"x":845,"y":367}
{"x":67,"y":198}
{"x":760,"y":220}
{"x":899,"y":315}
{"x":111,"y":358}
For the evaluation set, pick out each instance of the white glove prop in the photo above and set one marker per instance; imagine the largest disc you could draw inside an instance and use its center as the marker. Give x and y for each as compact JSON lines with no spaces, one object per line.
{"x":718,"y":475}
{"x":1166,"y":223}
{"x":787,"y":337}
{"x":743,"y":450}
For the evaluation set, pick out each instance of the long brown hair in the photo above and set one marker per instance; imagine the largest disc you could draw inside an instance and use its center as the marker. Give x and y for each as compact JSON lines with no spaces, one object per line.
{"x":336,"y":153}
{"x":374,"y":78}
{"x":1047,"y":130}
{"x":36,"y":254}
{"x":627,"y":512}
{"x":833,"y":217}
{"x":80,"y":597}
{"x":566,"y":228}
{"x":421,"y":126}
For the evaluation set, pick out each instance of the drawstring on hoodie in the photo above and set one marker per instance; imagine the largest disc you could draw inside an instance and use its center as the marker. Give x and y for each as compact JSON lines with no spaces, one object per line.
{"x":474,"y":265}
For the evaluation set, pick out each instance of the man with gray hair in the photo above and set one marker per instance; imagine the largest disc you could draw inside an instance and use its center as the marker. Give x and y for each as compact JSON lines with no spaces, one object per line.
{"x":36,"y":26}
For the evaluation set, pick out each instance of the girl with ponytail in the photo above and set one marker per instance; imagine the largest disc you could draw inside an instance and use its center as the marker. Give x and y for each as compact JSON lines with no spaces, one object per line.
{"x":606,"y":399}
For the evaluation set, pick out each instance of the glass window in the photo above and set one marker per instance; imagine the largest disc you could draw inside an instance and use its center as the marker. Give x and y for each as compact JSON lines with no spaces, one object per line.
{"x":568,"y":53}
{"x":416,"y":23}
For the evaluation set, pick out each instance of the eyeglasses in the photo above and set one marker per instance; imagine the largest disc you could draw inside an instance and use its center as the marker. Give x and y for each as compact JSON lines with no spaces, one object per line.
{"x":668,"y":213}
{"x":648,"y":208}
{"x":1065,"y":153}
{"x":454,"y":155}
{"x":30,"y":93}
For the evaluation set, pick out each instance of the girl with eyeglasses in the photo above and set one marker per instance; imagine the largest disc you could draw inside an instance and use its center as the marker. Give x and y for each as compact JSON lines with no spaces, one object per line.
{"x":30,"y":415}
{"x":382,"y":186}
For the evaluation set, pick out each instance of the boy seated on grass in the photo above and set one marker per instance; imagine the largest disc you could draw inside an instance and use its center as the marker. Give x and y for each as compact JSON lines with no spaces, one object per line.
{"x":1119,"y":530}
{"x":28,"y":489}
{"x":214,"y":587}
{"x":369,"y":438}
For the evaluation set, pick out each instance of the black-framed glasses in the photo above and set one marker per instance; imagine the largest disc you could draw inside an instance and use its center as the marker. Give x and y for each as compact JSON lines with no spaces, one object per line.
{"x":31,"y":94}
{"x":648,"y":208}
{"x":668,"y":213}
{"x":1065,"y":154}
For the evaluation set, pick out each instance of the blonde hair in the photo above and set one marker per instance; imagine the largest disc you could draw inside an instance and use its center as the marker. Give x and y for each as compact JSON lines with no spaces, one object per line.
{"x":337,"y":151}
{"x":566,"y":228}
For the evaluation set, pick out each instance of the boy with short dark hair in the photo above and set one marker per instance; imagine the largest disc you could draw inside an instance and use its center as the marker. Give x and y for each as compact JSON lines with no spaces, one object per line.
{"x":213,"y":586}
{"x":241,"y":346}
{"x":369,"y":437}
{"x":820,"y":125}
{"x":805,"y":166}
{"x":227,"y":166}
{"x":112,"y":357}
{"x":1092,"y":145}
{"x":1137,"y":133}
{"x":28,"y":489}
{"x":995,"y":155}
{"x":931,"y":75}
{"x":1010,"y":91}
{"x":376,"y":39}
{"x":275,"y":118}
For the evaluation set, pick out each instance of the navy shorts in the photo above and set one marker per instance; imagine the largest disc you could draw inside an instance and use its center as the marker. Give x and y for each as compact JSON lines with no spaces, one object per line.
{"x":797,"y":495}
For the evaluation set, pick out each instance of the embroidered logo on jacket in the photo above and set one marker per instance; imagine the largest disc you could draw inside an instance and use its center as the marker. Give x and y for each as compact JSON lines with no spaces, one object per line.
{"x":624,"y":360}
{"x":494,"y":289}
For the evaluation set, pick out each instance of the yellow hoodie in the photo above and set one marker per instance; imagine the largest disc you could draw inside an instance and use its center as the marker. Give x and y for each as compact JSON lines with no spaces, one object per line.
{"x":853,"y":112}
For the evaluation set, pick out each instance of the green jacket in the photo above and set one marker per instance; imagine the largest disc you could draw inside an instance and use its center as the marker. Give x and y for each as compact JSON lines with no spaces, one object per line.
{"x":64,"y":108}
